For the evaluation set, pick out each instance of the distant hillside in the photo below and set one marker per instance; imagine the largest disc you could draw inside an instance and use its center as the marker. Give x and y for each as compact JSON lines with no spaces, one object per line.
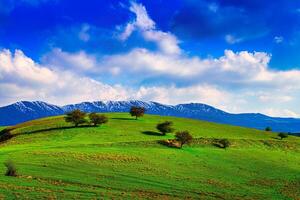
{"x":24,"y":111}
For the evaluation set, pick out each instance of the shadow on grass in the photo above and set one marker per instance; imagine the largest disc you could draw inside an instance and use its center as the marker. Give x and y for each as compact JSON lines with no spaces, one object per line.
{"x":276,"y":138}
{"x":151,"y":133}
{"x":122,"y":118}
{"x":6,"y":134}
{"x":56,"y":128}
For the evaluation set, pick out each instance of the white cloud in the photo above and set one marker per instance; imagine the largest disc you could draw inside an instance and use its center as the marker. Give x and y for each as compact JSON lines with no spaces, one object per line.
{"x":241,"y":68}
{"x":79,"y":61}
{"x":231,"y":39}
{"x":167,"y":42}
{"x":23,"y":79}
{"x":267,"y":98}
{"x":18,"y":65}
{"x":142,"y":21}
{"x":83,"y":34}
{"x":278,"y":39}
{"x":127,"y":32}
{"x":197,"y":93}
{"x":280,"y":112}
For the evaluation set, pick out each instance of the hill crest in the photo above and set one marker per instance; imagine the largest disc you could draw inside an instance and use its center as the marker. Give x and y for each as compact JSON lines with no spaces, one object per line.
{"x":27,"y":110}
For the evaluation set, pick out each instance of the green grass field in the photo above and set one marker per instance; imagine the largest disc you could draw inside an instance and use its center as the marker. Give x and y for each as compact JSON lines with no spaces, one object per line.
{"x":123,"y":160}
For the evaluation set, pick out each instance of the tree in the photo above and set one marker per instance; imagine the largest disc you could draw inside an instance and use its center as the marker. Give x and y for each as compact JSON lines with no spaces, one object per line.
{"x":268,"y":129}
{"x":97,"y":119}
{"x":11,"y":169}
{"x":137,"y":111}
{"x":184,"y":137}
{"x":165,"y":127}
{"x":76,"y":117}
{"x":283,"y":135}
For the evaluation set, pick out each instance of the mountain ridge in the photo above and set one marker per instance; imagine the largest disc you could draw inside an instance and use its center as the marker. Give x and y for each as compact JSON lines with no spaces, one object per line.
{"x":28,"y":110}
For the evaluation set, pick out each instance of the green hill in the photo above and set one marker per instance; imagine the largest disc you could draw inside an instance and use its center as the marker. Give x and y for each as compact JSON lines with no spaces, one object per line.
{"x":124,"y":160}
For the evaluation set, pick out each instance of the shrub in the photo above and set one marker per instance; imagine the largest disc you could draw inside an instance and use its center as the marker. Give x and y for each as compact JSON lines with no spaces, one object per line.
{"x":76,"y":117}
{"x":5,"y":134}
{"x":222,"y":143}
{"x":184,"y":137}
{"x":137,"y":111}
{"x":165,"y":127}
{"x":11,"y":169}
{"x":268,"y":129}
{"x":283,"y":135}
{"x":97,"y":119}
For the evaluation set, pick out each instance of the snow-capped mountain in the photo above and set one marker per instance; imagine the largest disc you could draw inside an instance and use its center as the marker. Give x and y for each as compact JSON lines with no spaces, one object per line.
{"x":25,"y":110}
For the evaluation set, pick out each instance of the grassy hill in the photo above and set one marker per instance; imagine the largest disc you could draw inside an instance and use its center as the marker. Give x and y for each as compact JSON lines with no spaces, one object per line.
{"x":123,"y":160}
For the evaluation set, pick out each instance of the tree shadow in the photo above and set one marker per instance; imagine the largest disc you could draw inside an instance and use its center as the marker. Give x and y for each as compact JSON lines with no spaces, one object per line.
{"x":276,"y":138}
{"x":6,"y":134}
{"x":151,"y":133}
{"x":122,"y":118}
{"x":55,"y":128}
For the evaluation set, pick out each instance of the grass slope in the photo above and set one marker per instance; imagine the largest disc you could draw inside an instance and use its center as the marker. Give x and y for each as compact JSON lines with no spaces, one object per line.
{"x":122,"y":160}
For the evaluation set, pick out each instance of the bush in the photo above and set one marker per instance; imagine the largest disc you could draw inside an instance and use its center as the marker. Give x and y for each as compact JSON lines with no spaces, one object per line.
{"x":165,"y":127}
{"x":268,"y":129}
{"x":97,"y":119}
{"x":184,"y":137}
{"x":283,"y":135}
{"x":11,"y":169}
{"x":137,"y":111}
{"x":5,"y":134}
{"x":76,"y":117}
{"x":222,"y":143}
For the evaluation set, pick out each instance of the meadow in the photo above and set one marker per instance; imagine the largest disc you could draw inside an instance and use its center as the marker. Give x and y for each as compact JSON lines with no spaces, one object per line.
{"x":123,"y":159}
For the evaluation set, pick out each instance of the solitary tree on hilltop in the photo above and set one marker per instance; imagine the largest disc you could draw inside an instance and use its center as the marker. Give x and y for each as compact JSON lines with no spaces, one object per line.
{"x":165,"y":127}
{"x":283,"y":135}
{"x":268,"y":129}
{"x":97,"y":119}
{"x":137,"y":111}
{"x":184,"y":137}
{"x":76,"y":117}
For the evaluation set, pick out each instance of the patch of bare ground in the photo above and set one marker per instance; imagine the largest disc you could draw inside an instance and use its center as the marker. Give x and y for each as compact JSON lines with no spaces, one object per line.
{"x":217,"y":183}
{"x":264,"y":182}
{"x":90,"y":157}
{"x":291,"y":189}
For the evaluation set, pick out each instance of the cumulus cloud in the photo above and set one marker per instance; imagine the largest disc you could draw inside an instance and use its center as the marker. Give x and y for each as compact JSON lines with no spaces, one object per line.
{"x":167,"y":42}
{"x":23,"y":79}
{"x":79,"y":61}
{"x":239,"y":69}
{"x":24,"y":68}
{"x":197,"y":93}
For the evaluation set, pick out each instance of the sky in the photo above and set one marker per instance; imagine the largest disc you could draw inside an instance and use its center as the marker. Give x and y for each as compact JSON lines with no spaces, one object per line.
{"x":236,"y":55}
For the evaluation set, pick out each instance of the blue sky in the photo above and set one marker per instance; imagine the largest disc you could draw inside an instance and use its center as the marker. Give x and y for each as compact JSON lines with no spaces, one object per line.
{"x":237,"y":55}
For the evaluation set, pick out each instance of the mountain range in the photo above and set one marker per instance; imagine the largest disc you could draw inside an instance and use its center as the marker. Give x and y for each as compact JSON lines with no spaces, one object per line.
{"x":27,"y":110}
